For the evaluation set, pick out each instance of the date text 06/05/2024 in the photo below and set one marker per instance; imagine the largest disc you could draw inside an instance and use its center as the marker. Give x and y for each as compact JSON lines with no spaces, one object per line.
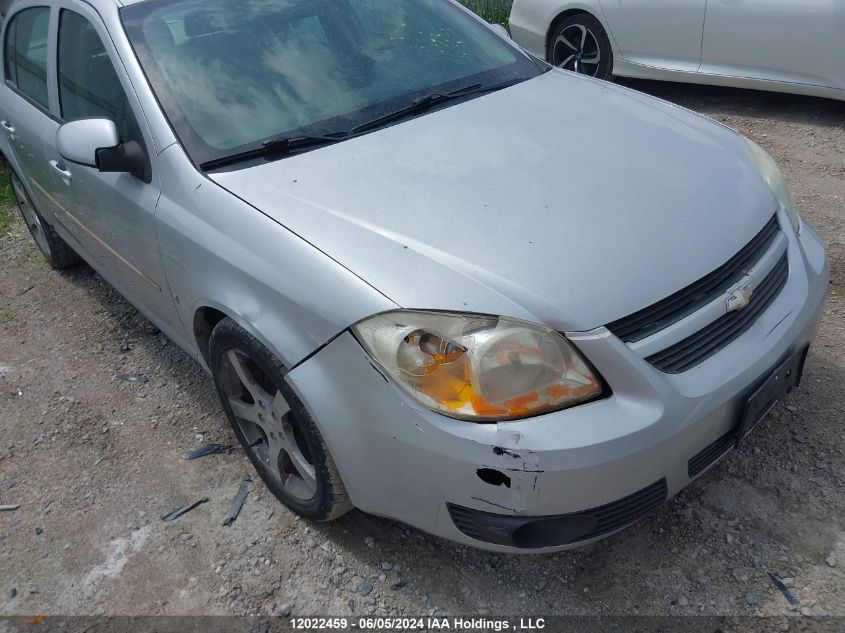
{"x":417,"y":624}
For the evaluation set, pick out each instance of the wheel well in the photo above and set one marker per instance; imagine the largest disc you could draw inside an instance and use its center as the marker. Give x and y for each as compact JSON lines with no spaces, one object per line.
{"x":556,"y":22}
{"x":204,"y":321}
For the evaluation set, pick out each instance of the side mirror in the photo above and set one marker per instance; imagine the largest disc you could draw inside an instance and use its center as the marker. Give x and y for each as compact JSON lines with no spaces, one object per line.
{"x":501,"y":30}
{"x":96,"y":143}
{"x":79,"y":141}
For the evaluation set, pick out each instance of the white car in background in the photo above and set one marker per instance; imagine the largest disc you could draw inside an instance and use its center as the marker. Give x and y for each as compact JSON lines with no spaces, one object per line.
{"x":793,"y":46}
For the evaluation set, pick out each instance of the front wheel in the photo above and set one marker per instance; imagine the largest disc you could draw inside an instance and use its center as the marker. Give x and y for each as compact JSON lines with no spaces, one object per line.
{"x":273,"y":426}
{"x":580,"y":44}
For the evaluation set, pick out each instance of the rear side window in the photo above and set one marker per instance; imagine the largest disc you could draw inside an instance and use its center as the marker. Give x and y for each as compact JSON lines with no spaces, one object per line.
{"x":88,"y":83}
{"x":25,"y":53}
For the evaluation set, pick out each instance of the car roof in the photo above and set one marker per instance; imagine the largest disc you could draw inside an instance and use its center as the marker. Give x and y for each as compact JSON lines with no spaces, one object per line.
{"x":6,"y":4}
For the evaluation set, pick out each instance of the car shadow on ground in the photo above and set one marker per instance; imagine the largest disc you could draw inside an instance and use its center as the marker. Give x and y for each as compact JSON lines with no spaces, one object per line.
{"x":133,"y":328}
{"x":715,"y":100}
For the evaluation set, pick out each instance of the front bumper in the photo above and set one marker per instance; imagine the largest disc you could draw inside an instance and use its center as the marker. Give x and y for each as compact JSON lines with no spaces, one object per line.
{"x":402,"y":461}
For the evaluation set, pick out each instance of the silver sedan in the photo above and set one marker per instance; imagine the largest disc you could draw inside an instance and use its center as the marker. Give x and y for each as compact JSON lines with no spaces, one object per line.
{"x":781,"y":45}
{"x":431,"y":276}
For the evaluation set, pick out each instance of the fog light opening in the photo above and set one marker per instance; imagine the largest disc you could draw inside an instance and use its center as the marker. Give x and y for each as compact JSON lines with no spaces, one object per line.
{"x":493,"y":477}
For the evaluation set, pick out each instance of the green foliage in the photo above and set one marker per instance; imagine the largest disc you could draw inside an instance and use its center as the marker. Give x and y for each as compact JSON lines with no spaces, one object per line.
{"x":494,"y":11}
{"x":7,"y":201}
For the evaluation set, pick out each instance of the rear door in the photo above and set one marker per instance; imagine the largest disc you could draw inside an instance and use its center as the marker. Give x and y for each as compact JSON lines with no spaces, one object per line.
{"x":798,"y":41}
{"x":111,"y":214}
{"x":25,"y":119}
{"x":660,"y":33}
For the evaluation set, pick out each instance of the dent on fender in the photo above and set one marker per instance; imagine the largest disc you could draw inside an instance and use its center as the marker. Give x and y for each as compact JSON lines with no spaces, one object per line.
{"x":225,"y":267}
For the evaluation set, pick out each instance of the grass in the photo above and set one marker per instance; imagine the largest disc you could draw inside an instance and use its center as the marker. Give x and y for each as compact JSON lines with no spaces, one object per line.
{"x":7,"y":201}
{"x":494,"y":11}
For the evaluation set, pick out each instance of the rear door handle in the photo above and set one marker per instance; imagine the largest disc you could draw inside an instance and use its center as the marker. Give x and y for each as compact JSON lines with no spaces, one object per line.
{"x":64,"y":173}
{"x":7,"y":126}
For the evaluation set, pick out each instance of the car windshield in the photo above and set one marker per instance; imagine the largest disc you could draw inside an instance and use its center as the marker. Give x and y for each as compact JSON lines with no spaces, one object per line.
{"x":233,"y":74}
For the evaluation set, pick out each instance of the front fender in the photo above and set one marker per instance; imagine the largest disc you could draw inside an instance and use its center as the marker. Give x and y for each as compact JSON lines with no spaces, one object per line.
{"x":222,"y":253}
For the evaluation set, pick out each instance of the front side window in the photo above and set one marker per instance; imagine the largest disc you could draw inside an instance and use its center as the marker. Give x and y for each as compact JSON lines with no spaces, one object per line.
{"x":231,"y":74}
{"x":25,"y":53}
{"x":88,"y":83}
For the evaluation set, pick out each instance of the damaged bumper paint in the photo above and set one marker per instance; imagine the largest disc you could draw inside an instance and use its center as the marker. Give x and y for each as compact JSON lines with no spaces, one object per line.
{"x":562,"y":479}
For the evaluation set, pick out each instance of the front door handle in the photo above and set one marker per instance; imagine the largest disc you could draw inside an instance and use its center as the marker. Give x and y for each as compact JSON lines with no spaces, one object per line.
{"x":7,"y":126}
{"x":64,"y":173}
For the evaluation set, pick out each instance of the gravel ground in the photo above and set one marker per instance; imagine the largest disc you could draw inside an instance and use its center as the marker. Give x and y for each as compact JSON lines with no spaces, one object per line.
{"x":94,"y":462}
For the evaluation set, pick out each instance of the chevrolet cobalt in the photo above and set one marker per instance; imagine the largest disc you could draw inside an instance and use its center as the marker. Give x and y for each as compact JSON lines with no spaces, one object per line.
{"x":431,"y":276}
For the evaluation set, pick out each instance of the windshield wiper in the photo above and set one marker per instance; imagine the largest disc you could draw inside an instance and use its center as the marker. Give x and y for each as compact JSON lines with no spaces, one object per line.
{"x":286,"y":145}
{"x":276,"y":147}
{"x":428,"y":101}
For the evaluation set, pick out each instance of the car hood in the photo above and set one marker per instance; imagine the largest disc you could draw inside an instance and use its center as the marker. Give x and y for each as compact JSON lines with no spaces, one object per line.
{"x":562,"y":199}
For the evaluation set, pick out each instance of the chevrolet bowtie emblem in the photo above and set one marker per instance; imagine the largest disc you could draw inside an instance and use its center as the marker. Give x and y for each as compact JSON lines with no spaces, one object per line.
{"x":740,"y":297}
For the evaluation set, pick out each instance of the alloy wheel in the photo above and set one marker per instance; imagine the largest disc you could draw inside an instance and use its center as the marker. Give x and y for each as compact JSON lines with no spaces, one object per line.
{"x":30,"y":216}
{"x":577,"y":49}
{"x":269,"y":425}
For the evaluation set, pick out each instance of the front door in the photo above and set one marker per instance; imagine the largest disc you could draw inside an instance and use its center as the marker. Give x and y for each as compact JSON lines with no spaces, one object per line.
{"x":659,"y":33}
{"x":797,"y":41}
{"x":112,"y":215}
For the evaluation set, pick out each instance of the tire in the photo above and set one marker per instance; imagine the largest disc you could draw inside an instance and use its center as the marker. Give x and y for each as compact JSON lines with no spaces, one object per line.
{"x":273,"y":426}
{"x":54,"y":249}
{"x":580,"y":44}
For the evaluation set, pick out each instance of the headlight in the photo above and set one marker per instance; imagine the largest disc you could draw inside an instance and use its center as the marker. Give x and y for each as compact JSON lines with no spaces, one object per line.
{"x":478,"y":367}
{"x":772,"y":175}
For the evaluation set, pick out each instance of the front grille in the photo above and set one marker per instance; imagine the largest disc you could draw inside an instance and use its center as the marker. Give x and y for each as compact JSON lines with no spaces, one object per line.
{"x":680,"y":305}
{"x":564,"y":529}
{"x":697,"y":348}
{"x":710,"y":453}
